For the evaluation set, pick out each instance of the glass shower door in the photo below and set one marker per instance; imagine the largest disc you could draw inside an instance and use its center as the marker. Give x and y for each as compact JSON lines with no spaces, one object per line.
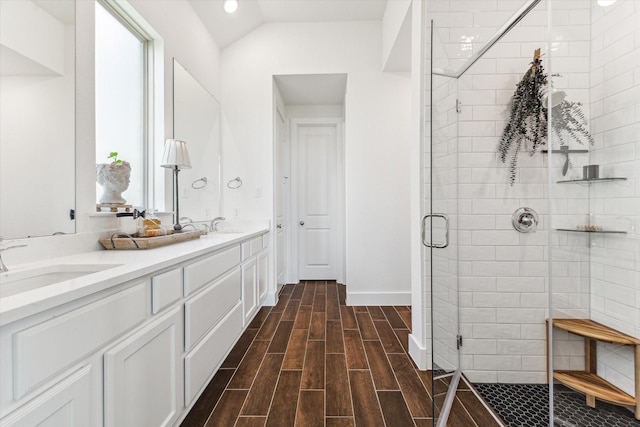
{"x":440,"y":230}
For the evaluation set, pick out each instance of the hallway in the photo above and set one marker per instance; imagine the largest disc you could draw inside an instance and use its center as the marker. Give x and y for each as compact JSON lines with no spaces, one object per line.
{"x":313,"y":361}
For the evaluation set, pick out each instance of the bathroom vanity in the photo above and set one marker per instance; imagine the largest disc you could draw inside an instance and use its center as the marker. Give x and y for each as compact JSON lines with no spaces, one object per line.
{"x":132,"y":344}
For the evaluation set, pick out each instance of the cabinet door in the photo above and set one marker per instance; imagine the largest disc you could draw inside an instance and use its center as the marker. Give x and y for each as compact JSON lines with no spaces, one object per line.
{"x":45,"y":350}
{"x":67,"y":404}
{"x":263,"y":270}
{"x":249,"y":290}
{"x":143,"y":375}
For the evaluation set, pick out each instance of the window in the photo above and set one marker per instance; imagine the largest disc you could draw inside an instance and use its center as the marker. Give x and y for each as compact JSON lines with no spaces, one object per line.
{"x":121,"y":97}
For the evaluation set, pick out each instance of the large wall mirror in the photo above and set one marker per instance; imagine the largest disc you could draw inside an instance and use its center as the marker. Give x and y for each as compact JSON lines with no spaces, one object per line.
{"x":37,"y":117}
{"x":196,"y":120}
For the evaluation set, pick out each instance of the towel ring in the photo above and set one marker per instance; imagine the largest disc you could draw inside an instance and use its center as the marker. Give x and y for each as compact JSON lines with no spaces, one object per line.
{"x":235,"y":183}
{"x":202,"y":181}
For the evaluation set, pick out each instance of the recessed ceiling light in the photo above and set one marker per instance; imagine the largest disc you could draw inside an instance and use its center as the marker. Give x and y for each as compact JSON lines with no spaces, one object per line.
{"x":230,"y":6}
{"x":605,"y":3}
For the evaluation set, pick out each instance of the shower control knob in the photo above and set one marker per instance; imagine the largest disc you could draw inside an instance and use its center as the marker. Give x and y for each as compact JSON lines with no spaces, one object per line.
{"x":525,"y":220}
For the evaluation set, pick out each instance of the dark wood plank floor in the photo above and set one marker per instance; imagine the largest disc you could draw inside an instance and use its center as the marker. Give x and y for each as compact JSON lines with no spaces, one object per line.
{"x":313,"y":361}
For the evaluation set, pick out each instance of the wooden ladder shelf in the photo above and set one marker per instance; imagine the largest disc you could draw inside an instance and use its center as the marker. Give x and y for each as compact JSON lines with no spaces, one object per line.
{"x":587,"y":381}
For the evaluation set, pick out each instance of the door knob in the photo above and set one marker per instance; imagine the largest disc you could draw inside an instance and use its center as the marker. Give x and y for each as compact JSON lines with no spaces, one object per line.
{"x":301,"y":222}
{"x":279,"y":226}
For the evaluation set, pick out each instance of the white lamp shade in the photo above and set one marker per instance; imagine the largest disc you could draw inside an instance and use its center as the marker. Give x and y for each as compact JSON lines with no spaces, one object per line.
{"x":175,"y":154}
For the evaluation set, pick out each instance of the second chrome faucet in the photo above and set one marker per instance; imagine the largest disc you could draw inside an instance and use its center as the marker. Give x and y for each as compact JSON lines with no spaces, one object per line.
{"x":213,"y":225}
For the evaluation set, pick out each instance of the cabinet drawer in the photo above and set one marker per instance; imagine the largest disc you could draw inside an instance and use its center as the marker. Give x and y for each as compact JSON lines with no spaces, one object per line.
{"x":166,"y":289}
{"x":204,"y":310}
{"x":205,"y":358}
{"x":251,"y":247}
{"x":200,"y":273}
{"x":44,"y":350}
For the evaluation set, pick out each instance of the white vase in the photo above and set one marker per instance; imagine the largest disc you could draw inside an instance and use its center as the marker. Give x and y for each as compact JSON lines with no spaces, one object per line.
{"x":114,"y":179}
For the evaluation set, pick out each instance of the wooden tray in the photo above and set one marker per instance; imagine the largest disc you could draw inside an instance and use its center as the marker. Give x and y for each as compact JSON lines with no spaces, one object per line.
{"x":120,"y":242}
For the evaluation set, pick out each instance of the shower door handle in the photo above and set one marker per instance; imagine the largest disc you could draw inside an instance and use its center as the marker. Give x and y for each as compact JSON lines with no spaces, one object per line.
{"x":446,"y":234}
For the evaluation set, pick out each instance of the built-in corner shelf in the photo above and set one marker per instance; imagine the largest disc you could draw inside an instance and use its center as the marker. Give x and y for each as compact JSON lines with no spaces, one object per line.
{"x":590,"y":180}
{"x":588,"y":382}
{"x":575,"y":230}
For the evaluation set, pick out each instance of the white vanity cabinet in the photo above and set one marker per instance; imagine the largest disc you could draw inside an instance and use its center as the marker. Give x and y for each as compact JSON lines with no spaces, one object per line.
{"x":251,"y":292}
{"x":138,"y":353}
{"x":143,"y":375}
{"x":50,"y":363}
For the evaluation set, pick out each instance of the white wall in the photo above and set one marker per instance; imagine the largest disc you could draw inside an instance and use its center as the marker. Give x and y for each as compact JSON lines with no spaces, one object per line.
{"x":396,"y":35}
{"x":377,"y":118}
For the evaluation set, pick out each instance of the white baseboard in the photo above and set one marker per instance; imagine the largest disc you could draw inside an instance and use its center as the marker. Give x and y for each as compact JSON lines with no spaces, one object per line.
{"x":270,"y":299}
{"x":419,"y":354}
{"x":378,"y":298}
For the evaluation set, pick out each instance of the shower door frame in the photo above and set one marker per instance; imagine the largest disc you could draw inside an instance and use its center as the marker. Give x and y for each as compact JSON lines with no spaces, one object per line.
{"x":446,"y":334}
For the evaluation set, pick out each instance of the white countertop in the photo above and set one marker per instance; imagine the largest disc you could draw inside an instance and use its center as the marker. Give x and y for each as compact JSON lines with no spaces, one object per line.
{"x":132,"y":264}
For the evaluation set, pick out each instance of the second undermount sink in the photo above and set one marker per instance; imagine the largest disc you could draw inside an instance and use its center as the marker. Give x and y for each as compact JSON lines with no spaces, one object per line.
{"x":15,"y":282}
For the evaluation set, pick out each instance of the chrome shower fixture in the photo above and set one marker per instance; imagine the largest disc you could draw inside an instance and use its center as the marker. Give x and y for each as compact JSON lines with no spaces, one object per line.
{"x":525,"y":220}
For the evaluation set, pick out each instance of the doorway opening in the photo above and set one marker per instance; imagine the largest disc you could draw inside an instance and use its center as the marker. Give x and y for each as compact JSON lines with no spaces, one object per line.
{"x":309,"y":207}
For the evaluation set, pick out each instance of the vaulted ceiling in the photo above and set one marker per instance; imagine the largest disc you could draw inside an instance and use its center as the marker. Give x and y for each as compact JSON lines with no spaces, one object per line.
{"x":227,"y":28}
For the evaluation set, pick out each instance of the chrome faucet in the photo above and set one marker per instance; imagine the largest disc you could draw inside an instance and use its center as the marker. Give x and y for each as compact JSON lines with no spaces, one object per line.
{"x":213,"y":225}
{"x":3,"y":267}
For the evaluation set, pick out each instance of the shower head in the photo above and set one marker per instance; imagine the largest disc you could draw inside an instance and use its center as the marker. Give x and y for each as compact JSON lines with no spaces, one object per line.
{"x":553,"y":100}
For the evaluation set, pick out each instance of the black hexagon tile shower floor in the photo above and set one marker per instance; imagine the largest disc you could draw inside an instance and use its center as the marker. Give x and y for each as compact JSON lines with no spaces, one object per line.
{"x":527,"y":405}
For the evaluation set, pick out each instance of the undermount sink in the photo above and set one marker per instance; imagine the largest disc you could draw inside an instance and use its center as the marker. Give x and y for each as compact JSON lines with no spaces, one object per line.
{"x":224,"y":233}
{"x":15,"y":282}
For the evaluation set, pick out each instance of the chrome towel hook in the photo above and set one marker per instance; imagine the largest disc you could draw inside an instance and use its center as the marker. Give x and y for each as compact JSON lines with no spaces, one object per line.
{"x":235,"y":183}
{"x":199,"y":183}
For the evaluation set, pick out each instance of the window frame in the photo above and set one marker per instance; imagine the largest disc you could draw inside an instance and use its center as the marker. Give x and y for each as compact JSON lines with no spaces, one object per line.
{"x":116,"y":9}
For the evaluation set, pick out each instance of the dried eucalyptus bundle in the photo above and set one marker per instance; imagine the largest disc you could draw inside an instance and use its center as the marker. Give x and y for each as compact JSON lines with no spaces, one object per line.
{"x":527,"y":125}
{"x":526,"y":129}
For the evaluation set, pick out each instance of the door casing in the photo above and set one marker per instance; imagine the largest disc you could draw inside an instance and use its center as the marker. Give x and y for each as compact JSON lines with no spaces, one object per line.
{"x":292,"y":262}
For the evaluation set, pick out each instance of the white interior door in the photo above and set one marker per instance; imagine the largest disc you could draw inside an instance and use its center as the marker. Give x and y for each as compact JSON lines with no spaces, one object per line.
{"x":317,"y":195}
{"x":281,"y":197}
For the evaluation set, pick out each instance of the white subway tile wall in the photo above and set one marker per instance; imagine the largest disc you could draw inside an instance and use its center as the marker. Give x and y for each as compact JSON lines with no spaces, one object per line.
{"x":615,"y":123}
{"x":503,"y":275}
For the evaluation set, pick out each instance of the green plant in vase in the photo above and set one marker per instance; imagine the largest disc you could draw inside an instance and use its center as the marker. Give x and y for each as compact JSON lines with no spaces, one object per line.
{"x":114,"y":179}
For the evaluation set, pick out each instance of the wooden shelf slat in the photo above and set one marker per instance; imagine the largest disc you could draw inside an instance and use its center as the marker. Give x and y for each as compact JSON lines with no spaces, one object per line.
{"x":593,"y":385}
{"x":594,"y":330}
